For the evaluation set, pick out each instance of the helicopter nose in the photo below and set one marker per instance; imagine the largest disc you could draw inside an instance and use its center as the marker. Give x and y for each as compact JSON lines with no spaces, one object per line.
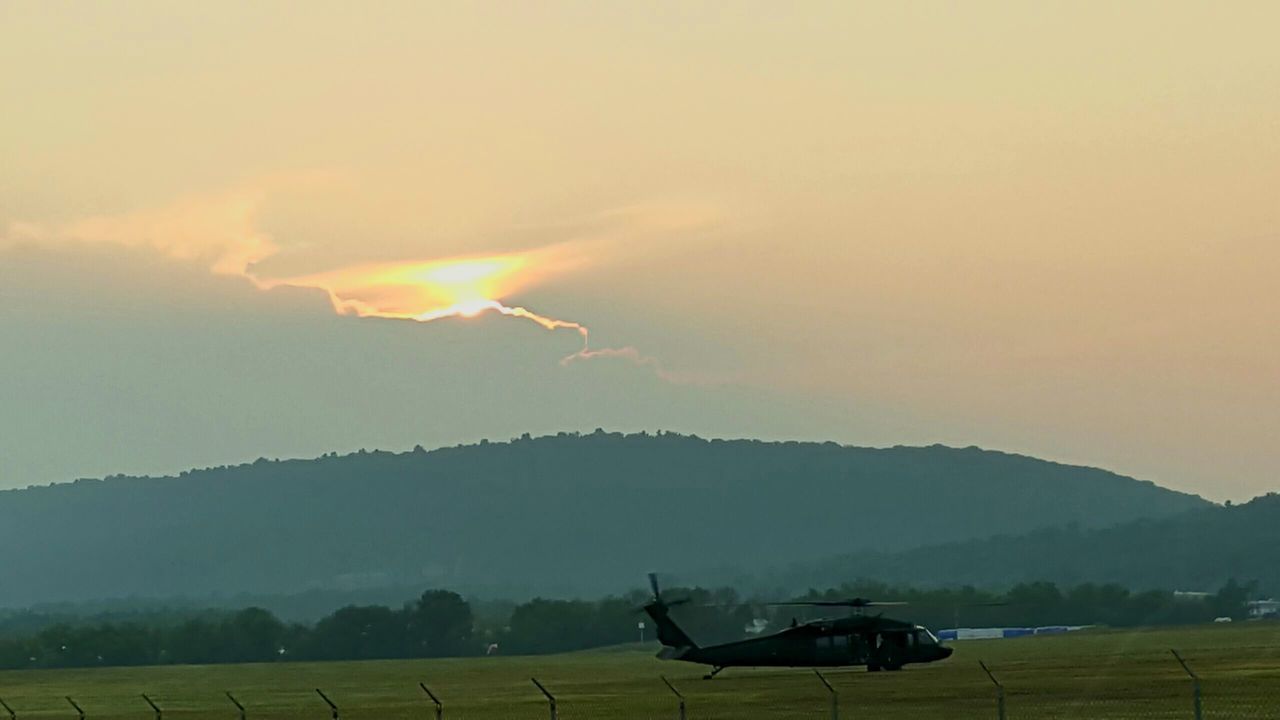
{"x":944,"y":652}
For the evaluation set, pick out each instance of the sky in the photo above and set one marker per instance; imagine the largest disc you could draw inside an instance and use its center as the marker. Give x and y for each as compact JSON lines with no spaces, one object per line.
{"x":234,"y":230}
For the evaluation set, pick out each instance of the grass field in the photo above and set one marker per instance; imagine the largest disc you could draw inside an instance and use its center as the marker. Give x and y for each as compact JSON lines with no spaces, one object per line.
{"x":1104,"y":674}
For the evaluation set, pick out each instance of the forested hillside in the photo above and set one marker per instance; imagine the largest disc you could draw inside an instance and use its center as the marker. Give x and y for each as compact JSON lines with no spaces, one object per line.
{"x":559,"y":515}
{"x":1200,"y":550}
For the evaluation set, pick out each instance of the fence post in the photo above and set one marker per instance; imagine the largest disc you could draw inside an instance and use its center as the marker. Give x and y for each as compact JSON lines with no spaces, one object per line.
{"x":328,"y":702}
{"x":77,"y":707}
{"x":434,"y":699}
{"x":999,"y":691}
{"x":835,"y":696}
{"x":1195,"y":684}
{"x":551,"y":699}
{"x":156,"y":708}
{"x":12,"y":715}
{"x":676,"y":692}
{"x":236,"y":702}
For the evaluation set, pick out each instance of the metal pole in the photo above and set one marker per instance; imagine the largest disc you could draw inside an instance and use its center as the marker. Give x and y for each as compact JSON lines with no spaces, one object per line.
{"x":77,"y":707}
{"x":12,"y":715}
{"x":328,"y":702}
{"x":1195,"y":685}
{"x":434,"y":699}
{"x":236,"y":702}
{"x":159,"y":714}
{"x":835,"y":696}
{"x":551,"y":699}
{"x":999,"y":691}
{"x":676,"y":692}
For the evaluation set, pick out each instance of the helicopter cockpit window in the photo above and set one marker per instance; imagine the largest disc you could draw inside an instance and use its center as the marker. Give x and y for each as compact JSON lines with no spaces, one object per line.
{"x":924,"y":637}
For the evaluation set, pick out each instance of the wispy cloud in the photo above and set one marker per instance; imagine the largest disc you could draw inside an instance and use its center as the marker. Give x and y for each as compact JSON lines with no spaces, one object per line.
{"x":221,"y":232}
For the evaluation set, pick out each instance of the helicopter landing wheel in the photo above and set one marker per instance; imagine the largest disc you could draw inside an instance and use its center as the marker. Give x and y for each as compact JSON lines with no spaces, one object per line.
{"x":873,"y":668}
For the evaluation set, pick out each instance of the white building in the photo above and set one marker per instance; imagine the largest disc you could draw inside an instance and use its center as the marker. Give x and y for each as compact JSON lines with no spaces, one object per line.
{"x":1264,"y":608}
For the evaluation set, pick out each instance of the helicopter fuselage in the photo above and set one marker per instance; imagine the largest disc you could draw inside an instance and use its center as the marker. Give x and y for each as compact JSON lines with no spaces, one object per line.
{"x":878,"y":643}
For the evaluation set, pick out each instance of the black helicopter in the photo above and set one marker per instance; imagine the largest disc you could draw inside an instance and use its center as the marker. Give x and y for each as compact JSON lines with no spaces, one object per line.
{"x":878,"y":642}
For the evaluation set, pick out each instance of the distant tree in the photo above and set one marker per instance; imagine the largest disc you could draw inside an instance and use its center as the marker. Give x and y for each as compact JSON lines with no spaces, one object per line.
{"x":358,"y":633}
{"x":193,"y":642}
{"x":614,"y":621}
{"x":439,"y":624}
{"x":1037,"y":603}
{"x":712,"y":615}
{"x":1232,"y":599}
{"x":253,"y":635}
{"x":119,"y":645}
{"x":1091,"y":604}
{"x":549,"y":626}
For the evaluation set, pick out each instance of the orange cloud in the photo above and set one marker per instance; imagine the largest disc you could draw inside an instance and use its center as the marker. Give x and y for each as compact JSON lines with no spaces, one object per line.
{"x":424,"y":290}
{"x":220,"y":230}
{"x":217,"y":230}
{"x":437,"y":289}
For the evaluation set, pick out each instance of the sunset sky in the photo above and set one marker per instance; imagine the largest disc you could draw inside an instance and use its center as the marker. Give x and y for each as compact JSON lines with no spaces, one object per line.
{"x":232,"y":230}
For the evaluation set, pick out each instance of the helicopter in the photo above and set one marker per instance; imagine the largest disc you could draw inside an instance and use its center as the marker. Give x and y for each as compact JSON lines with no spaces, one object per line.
{"x":878,"y":642}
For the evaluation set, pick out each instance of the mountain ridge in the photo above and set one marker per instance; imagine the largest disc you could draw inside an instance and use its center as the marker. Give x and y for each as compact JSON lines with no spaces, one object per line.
{"x":1197,"y":550}
{"x":560,"y":514}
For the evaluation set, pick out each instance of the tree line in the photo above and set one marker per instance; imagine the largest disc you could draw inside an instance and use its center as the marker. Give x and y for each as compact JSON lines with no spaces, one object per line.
{"x":1037,"y":604}
{"x":441,"y":623}
{"x":438,"y":624}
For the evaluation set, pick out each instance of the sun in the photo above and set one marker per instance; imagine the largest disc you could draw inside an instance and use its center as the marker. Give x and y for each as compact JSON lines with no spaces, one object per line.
{"x":463,"y":287}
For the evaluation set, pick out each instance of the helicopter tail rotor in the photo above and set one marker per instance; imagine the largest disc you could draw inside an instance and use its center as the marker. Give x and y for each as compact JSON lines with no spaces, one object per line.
{"x":657,"y":594}
{"x":669,"y":634}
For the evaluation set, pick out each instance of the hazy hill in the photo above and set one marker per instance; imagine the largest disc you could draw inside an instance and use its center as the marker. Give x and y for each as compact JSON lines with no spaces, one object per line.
{"x":1199,"y":550}
{"x":562,"y":514}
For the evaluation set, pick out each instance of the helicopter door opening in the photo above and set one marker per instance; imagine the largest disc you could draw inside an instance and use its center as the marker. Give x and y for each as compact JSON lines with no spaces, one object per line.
{"x":859,"y":650}
{"x":891,"y":649}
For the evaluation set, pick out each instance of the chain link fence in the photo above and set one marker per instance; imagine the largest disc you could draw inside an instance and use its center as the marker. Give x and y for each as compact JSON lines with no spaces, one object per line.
{"x":1020,"y":691}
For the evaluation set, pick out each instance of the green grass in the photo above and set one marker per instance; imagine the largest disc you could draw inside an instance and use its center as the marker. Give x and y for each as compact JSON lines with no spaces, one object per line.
{"x":1104,"y":674}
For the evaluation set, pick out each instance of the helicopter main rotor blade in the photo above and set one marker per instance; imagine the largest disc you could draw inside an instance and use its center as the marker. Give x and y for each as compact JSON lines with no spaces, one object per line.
{"x":667,"y":604}
{"x":853,"y":603}
{"x":949,"y":605}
